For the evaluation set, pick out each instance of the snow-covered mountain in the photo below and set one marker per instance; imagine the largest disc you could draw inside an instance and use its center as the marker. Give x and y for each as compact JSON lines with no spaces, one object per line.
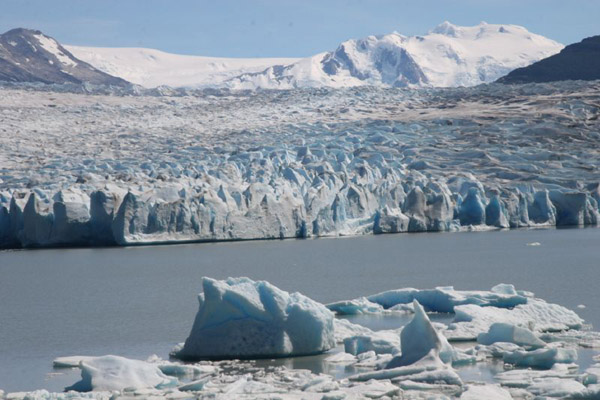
{"x":152,"y":68}
{"x":449,"y":55}
{"x":30,"y":56}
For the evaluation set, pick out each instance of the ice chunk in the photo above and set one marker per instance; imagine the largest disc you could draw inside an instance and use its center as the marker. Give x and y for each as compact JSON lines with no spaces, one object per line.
{"x":382,"y":342}
{"x":240,"y":318}
{"x":357,"y":306}
{"x":502,"y":332}
{"x":536,"y":315}
{"x":418,"y":339}
{"x":557,"y":387}
{"x":541,"y":358}
{"x":70,"y":362}
{"x":109,"y":373}
{"x":444,"y":299}
{"x":592,"y":375}
{"x":487,"y":392}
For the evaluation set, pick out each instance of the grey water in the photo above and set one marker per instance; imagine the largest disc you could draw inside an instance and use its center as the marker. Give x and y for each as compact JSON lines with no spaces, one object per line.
{"x":139,"y":301}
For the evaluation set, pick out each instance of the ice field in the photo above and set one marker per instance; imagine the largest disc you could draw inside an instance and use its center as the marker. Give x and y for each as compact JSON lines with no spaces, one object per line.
{"x":169,"y":165}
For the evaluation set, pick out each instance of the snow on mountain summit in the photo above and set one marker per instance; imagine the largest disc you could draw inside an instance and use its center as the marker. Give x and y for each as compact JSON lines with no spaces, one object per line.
{"x":30,"y":56}
{"x":449,"y":55}
{"x":151,"y":68}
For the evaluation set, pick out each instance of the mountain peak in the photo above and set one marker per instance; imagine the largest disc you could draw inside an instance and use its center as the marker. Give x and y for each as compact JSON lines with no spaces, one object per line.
{"x":445,"y":28}
{"x":27,"y":55}
{"x":22,"y":31}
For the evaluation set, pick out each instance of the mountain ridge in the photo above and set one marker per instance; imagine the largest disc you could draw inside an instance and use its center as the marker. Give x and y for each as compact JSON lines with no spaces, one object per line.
{"x":577,"y":61}
{"x":27,"y":55}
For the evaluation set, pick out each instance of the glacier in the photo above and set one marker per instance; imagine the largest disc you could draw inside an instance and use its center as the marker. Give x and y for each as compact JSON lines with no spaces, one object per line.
{"x":85,"y":167}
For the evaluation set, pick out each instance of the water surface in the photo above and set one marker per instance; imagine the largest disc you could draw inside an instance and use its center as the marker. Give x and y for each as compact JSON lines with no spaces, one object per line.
{"x":140,"y":301}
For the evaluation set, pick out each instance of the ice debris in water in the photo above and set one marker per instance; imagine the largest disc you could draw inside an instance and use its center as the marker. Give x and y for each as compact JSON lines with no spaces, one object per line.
{"x":247,"y":318}
{"x":241,"y":318}
{"x":503,"y":332}
{"x":109,"y":373}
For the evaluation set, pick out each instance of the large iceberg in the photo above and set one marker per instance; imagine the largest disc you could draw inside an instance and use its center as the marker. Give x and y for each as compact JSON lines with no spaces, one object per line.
{"x":241,"y":318}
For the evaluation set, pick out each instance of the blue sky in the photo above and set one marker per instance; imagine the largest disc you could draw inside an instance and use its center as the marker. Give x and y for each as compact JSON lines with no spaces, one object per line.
{"x":280,"y":28}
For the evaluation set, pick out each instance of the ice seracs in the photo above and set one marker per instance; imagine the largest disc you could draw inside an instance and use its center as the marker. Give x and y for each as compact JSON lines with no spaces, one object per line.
{"x":303,"y":163}
{"x":241,"y":318}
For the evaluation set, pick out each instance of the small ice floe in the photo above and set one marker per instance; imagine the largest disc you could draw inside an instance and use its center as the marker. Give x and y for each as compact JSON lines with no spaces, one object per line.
{"x":581,"y":306}
{"x":534,"y":244}
{"x":107,"y":373}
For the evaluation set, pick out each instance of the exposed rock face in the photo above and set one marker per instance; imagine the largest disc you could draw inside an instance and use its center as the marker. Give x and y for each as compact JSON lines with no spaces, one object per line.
{"x":30,"y":56}
{"x":578,"y":61}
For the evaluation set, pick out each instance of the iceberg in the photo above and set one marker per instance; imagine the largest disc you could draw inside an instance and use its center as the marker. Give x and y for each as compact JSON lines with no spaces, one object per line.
{"x":357,"y":306}
{"x":503,"y":332}
{"x":241,"y":318}
{"x":540,"y":358}
{"x":108,"y":373}
{"x":445,"y":299}
{"x":419,"y":339}
{"x":536,"y":315}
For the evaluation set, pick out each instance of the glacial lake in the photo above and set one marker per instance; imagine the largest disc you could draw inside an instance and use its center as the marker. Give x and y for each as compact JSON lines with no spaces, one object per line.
{"x":139,"y":301}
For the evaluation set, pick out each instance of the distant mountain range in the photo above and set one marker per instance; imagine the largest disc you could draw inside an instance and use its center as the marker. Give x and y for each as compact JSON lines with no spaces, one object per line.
{"x":30,"y":56}
{"x":578,"y":61}
{"x":447,"y":56}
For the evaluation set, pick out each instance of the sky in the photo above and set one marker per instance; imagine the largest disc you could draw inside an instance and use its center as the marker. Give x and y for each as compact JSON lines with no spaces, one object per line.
{"x":280,"y":28}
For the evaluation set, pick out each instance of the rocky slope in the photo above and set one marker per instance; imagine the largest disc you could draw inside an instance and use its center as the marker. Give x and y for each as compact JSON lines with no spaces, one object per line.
{"x":579,"y":61}
{"x":30,"y":56}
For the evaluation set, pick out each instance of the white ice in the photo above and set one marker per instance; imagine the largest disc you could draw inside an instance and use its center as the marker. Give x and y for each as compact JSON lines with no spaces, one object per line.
{"x":240,"y":318}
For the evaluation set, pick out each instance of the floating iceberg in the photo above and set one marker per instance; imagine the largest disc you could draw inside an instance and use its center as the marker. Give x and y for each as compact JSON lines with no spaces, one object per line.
{"x":109,"y":373}
{"x":502,"y":332}
{"x":240,"y":318}
{"x":419,"y":339}
{"x":445,"y":299}
{"x":540,"y":358}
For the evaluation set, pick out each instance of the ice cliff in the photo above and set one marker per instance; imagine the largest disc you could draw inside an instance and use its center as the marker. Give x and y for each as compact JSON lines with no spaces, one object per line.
{"x":89,"y":169}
